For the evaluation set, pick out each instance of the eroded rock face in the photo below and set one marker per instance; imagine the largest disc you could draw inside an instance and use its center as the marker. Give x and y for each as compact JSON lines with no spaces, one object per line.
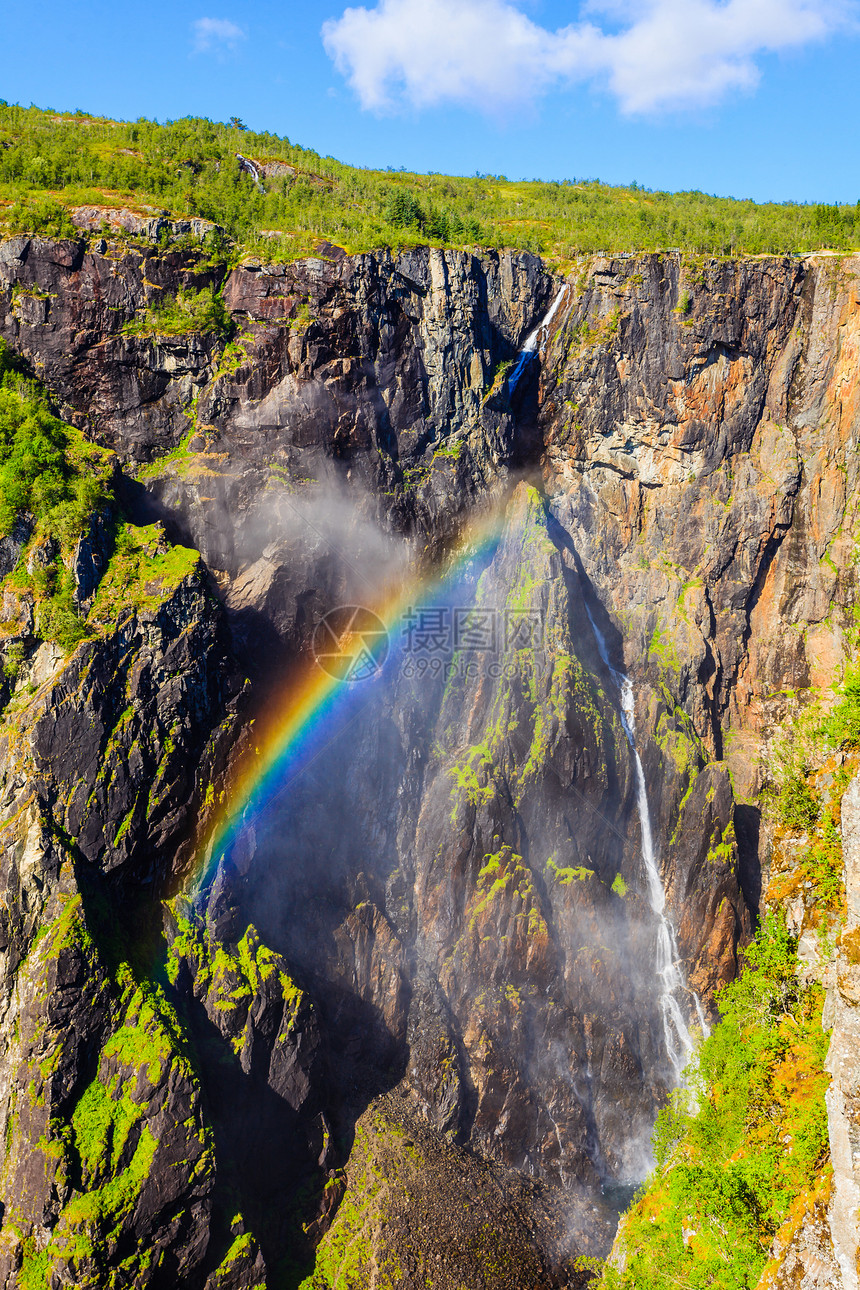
{"x":713,"y":483}
{"x":64,"y":308}
{"x":450,"y":899}
{"x":109,"y":1154}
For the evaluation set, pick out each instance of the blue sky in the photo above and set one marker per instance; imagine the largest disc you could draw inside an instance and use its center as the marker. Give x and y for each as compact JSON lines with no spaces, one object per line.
{"x":744,"y":98}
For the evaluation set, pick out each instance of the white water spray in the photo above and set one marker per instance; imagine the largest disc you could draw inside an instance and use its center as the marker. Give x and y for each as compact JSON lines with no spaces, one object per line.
{"x":673,"y":988}
{"x":534,"y":340}
{"x":250,"y":167}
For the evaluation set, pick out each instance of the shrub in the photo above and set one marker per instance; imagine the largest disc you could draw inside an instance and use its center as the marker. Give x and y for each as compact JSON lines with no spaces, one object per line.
{"x":49,"y":471}
{"x":797,"y":805}
{"x":186,"y":312}
{"x":729,"y":1170}
{"x":42,"y":216}
{"x":46,"y":467}
{"x":842,"y":727}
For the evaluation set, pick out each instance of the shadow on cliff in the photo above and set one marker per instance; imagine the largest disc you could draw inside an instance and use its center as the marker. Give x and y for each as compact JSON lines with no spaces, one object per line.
{"x":579,"y":583}
{"x":528,"y":445}
{"x":747,"y":833}
{"x":277,"y":1166}
{"x":272,"y":1163}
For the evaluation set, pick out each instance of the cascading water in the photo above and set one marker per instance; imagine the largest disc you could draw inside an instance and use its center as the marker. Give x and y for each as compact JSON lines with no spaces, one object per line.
{"x":677,"y":1039}
{"x":530,"y":349}
{"x":250,"y":167}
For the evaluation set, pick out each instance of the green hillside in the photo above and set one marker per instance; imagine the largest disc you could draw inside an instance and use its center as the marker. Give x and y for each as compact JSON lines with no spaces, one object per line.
{"x":49,"y":160}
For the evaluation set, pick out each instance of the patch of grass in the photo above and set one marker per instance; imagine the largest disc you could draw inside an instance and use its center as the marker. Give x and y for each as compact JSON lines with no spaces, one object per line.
{"x":41,"y":215}
{"x":663,"y":648}
{"x":842,"y":726}
{"x":54,"y":479}
{"x":498,"y":377}
{"x":566,"y":875}
{"x":230,"y":976}
{"x":178,"y":456}
{"x":47,"y":468}
{"x":142,"y":570}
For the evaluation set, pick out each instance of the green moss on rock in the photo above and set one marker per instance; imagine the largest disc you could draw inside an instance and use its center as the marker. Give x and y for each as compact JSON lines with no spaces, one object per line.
{"x":142,"y":571}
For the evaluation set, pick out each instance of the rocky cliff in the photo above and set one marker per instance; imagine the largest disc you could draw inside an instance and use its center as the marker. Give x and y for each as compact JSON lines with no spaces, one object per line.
{"x":422,"y":980}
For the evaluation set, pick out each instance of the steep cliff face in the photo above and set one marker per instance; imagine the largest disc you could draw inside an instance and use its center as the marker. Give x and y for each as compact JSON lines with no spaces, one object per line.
{"x":727,"y":461}
{"x":711,"y":494}
{"x":449,"y":901}
{"x":715,"y":512}
{"x":109,"y":1158}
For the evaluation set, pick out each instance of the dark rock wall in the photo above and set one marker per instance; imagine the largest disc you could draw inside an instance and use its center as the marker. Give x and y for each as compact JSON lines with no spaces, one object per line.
{"x":108,"y":1153}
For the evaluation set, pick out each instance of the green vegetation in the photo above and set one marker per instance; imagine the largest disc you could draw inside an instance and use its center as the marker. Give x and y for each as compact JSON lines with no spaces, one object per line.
{"x":105,"y":1150}
{"x":54,"y":478}
{"x":53,"y":481}
{"x":230,"y":978}
{"x":142,"y":569}
{"x":350,"y":1246}
{"x":187,"y":311}
{"x":467,"y":776}
{"x":751,"y":1160}
{"x":842,"y":727}
{"x":808,"y":769}
{"x":800,"y":808}
{"x":50,"y":161}
{"x":35,"y":213}
{"x":47,"y":468}
{"x":569,"y":874}
{"x":243,"y":1247}
{"x":663,"y":647}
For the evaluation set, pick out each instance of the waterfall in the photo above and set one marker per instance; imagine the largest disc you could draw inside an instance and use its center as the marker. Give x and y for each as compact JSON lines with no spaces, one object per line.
{"x":530,"y":349}
{"x":250,"y":168}
{"x":668,"y":971}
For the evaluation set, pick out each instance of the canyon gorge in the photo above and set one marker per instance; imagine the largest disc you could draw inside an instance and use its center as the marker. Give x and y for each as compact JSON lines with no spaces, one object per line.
{"x":405,"y":1015}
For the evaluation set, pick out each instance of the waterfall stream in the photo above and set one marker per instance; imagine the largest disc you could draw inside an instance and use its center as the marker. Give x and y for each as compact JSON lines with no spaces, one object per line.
{"x":532,"y":345}
{"x":250,"y":167}
{"x":674,"y":991}
{"x":669,"y":974}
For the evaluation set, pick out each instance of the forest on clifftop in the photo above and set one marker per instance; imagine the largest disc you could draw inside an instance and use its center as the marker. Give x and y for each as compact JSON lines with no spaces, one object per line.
{"x":50,"y":161}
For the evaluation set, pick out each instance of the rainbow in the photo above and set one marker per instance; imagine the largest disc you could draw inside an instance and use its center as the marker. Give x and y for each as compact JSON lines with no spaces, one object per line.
{"x":297,"y":724}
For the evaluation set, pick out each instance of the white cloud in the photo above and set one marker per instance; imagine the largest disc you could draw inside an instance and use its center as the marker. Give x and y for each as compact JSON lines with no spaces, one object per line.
{"x":216,"y":35}
{"x":656,"y":54}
